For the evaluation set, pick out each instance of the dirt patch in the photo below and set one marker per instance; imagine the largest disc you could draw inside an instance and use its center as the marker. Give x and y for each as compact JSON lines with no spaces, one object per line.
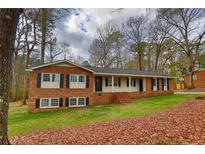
{"x":184,"y":124}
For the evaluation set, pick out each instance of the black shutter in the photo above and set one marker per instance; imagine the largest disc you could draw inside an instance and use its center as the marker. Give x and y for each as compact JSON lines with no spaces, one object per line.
{"x":157,"y":84}
{"x":106,"y":81}
{"x":134,"y":82}
{"x":127,"y":82}
{"x":163,"y":84}
{"x":37,"y":103}
{"x":119,"y":82}
{"x":87,"y":101}
{"x":61,"y":80}
{"x":87,"y":81}
{"x":39,"y":80}
{"x":167,"y":84}
{"x":152,"y":80}
{"x":67,"y":102}
{"x":61,"y":102}
{"x":67,"y":80}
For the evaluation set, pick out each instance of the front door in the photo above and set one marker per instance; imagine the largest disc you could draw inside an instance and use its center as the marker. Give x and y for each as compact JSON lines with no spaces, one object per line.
{"x":141,"y":85}
{"x":98,"y":84}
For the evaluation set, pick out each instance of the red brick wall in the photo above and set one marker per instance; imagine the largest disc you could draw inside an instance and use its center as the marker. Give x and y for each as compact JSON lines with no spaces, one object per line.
{"x":94,"y":98}
{"x":199,"y":82}
{"x":64,"y":93}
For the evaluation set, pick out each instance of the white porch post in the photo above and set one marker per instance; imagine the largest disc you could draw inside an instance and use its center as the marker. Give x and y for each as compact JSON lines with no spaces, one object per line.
{"x":144,"y":84}
{"x":129,"y":83}
{"x":112,"y":83}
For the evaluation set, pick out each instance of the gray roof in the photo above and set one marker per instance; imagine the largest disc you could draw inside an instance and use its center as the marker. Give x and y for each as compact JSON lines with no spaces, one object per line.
{"x":123,"y":71}
{"x":105,"y":70}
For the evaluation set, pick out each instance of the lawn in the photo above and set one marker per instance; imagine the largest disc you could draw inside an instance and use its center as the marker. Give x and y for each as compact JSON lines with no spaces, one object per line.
{"x":20,"y":121}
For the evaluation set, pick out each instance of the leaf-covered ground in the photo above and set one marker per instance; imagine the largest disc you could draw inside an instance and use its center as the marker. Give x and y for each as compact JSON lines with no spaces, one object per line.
{"x":184,"y":124}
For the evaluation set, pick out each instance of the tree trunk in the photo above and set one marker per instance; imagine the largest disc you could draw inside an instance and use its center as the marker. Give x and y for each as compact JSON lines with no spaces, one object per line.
{"x":157,"y":59}
{"x":25,"y":82}
{"x":156,"y":63}
{"x":8,"y":23}
{"x":191,"y":65}
{"x":44,"y":14}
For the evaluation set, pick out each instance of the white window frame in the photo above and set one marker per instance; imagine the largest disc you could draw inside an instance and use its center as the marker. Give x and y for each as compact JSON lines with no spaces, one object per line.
{"x":165,"y":85}
{"x":116,"y":82}
{"x":56,"y":75}
{"x":46,"y":74}
{"x":84,"y":76}
{"x":51,"y":76}
{"x":49,"y":102}
{"x":78,"y":75}
{"x":155,"y":86}
{"x":109,"y":81}
{"x":71,"y":78}
{"x":77,"y":99}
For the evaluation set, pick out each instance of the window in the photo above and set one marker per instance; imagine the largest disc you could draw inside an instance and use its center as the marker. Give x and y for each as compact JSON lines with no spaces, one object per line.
{"x":45,"y":102}
{"x":46,"y":77}
{"x":49,"y":102}
{"x":73,"y":78}
{"x":81,"y":101}
{"x":81,"y":78}
{"x":50,"y":77}
{"x":154,"y":82}
{"x":55,"y":77}
{"x":109,"y":81}
{"x":194,"y":77}
{"x":55,"y":102}
{"x":116,"y":82}
{"x":74,"y":101}
{"x":133,"y":84}
{"x":165,"y":82}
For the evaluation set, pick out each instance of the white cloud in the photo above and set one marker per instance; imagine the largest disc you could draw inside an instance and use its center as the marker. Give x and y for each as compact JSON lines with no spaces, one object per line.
{"x":79,"y":28}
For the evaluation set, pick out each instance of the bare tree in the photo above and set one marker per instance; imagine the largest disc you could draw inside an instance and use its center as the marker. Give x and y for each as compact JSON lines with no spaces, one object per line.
{"x":135,"y":32}
{"x":19,"y":45}
{"x":48,"y":17}
{"x":158,"y":33}
{"x":8,"y":23}
{"x":31,"y":17}
{"x":187,"y":32}
{"x":56,"y":49}
{"x":101,"y":48}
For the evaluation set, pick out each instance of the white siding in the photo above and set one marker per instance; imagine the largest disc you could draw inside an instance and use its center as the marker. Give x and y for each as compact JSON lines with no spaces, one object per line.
{"x":50,"y":84}
{"x":122,"y":88}
{"x":76,"y":85}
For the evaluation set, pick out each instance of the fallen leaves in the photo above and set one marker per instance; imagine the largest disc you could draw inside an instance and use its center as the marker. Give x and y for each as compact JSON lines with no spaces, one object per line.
{"x":184,"y":124}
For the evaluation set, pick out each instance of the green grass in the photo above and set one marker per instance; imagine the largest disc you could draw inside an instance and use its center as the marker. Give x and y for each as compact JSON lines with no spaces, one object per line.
{"x":21,"y":122}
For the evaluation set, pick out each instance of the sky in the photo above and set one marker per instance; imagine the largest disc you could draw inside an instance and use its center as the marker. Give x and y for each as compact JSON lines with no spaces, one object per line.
{"x":80,"y":27}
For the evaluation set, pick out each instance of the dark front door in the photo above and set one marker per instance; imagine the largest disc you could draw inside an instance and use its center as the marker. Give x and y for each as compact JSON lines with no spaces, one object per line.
{"x":98,"y":84}
{"x":141,"y":85}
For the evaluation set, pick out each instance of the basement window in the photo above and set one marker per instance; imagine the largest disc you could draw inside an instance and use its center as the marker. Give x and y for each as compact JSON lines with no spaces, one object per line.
{"x":77,"y":101}
{"x":49,"y":102}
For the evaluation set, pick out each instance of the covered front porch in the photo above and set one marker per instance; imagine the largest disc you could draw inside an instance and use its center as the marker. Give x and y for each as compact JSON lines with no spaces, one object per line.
{"x":114,"y":83}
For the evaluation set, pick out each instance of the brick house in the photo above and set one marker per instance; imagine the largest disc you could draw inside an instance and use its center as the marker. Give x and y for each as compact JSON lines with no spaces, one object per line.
{"x":63,"y":84}
{"x":198,"y":78}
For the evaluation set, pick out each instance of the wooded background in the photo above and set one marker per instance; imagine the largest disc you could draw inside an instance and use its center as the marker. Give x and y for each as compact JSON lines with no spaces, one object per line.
{"x":172,"y":43}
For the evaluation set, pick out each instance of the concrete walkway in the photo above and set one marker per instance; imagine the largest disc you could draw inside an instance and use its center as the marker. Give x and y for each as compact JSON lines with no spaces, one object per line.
{"x":189,"y":92}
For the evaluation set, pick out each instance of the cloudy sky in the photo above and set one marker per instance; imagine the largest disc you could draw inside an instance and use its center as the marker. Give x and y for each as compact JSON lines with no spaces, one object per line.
{"x":80,"y":27}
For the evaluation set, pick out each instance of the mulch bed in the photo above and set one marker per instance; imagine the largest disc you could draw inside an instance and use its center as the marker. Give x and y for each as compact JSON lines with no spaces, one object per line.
{"x":184,"y":124}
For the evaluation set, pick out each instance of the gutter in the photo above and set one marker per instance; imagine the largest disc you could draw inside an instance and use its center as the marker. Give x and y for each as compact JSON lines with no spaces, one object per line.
{"x":137,"y":75}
